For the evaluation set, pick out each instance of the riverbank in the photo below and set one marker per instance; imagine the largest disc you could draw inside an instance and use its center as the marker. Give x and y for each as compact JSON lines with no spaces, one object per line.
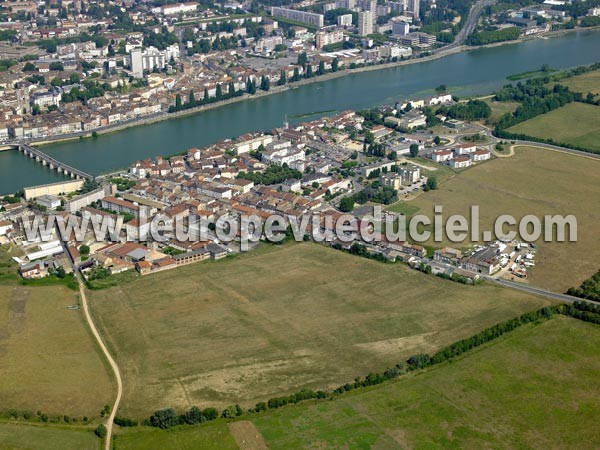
{"x":444,"y":52}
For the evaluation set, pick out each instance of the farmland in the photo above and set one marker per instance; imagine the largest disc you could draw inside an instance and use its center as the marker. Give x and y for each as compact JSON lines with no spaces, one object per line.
{"x":17,"y":436}
{"x":533,"y":181}
{"x":48,"y":360}
{"x":575,"y":123}
{"x":584,"y":83}
{"x":535,"y":387}
{"x":278,"y":319}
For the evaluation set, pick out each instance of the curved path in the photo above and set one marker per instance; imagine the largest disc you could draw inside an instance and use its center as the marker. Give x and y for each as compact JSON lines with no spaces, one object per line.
{"x":111,"y":361}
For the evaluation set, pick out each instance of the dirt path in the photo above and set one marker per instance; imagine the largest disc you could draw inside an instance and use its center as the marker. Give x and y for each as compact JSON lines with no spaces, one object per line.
{"x":247,"y":436}
{"x":111,"y":361}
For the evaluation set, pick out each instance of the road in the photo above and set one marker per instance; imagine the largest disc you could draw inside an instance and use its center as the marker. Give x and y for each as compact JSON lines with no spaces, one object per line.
{"x":539,"y":291}
{"x":109,"y":358}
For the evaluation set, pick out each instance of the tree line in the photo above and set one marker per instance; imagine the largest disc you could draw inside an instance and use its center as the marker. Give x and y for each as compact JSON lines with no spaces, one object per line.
{"x":589,"y":289}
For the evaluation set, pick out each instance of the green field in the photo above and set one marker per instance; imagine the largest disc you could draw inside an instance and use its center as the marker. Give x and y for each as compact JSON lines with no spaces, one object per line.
{"x":280,"y":318}
{"x":500,"y":108}
{"x":575,"y":123}
{"x":536,"y":387}
{"x":16,"y":436}
{"x":48,"y":359}
{"x":533,"y":181}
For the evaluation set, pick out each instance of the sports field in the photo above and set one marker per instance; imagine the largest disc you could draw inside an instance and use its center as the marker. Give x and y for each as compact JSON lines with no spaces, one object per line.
{"x":279,"y":319}
{"x":536,"y":387}
{"x":533,"y":181}
{"x":575,"y":123}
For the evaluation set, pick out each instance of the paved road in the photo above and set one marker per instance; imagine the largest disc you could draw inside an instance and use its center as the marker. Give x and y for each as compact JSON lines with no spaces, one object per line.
{"x":539,"y":291}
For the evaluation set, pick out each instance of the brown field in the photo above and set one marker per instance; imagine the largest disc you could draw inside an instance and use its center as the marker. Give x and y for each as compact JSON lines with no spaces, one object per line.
{"x":534,"y":181}
{"x":584,"y":83}
{"x":48,"y":359}
{"x":278,"y":319}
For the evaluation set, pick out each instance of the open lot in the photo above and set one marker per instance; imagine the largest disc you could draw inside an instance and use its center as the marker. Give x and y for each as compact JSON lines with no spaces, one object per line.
{"x":536,"y":387}
{"x":500,"y":108}
{"x":279,"y":319}
{"x":575,"y":124}
{"x":48,"y":359}
{"x":16,"y":436}
{"x":533,"y":181}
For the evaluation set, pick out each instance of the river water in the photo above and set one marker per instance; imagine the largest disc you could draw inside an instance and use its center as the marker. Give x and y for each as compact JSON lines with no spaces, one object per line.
{"x":475,"y":72}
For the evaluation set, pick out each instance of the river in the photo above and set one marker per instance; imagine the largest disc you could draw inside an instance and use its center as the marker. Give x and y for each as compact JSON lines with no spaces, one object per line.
{"x":475,"y":72}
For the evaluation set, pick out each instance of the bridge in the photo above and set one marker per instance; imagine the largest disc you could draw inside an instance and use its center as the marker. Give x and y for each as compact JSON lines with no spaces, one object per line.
{"x":54,"y":164}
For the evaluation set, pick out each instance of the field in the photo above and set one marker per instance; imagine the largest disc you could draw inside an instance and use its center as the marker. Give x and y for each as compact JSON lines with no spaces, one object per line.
{"x":278,"y":319}
{"x":500,"y":108}
{"x":575,"y":124}
{"x":48,"y":361}
{"x":35,"y":437}
{"x":533,"y":181}
{"x":587,"y":82}
{"x":536,"y":387}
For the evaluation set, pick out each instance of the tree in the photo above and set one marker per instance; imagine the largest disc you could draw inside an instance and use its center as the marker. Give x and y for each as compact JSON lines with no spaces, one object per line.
{"x":191,"y":98}
{"x":265,"y":84}
{"x":346,"y":204}
{"x":164,"y":418}
{"x":194,"y":416}
{"x":100,"y":431}
{"x":302,"y":59}
{"x":29,"y":67}
{"x":296,"y":76}
{"x":414,"y":150}
{"x":56,"y":66}
{"x":178,"y":102}
{"x":432,"y":183}
{"x":84,"y":250}
{"x":321,"y":69}
{"x":437,"y":140}
{"x":441,"y":88}
{"x":334,"y":65}
{"x":282,"y":78}
{"x":219,"y":93}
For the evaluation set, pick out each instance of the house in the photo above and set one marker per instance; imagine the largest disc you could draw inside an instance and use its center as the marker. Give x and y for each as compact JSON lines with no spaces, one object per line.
{"x":291,"y":185}
{"x":447,"y":255}
{"x":440,"y":156}
{"x":480,"y":155}
{"x":460,"y":162}
{"x":5,"y":227}
{"x":121,"y":206}
{"x":36,"y":269}
{"x":216,"y":251}
{"x":464,"y":149}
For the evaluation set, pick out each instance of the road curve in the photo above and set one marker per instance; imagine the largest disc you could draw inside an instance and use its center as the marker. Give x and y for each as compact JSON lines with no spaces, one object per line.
{"x":110,"y":359}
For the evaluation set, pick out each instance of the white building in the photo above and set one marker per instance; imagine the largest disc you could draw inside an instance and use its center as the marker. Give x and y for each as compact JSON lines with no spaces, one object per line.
{"x":178,"y":8}
{"x":400,"y":27}
{"x":440,"y":156}
{"x":464,"y":149}
{"x":345,"y":20}
{"x":323,"y":38}
{"x":365,"y":23}
{"x":460,"y":162}
{"x":480,"y":155}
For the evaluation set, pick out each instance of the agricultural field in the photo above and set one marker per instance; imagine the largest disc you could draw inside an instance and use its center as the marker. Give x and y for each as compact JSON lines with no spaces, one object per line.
{"x":278,"y":319}
{"x":533,"y":181}
{"x":536,"y":387}
{"x":575,"y":123}
{"x":18,"y":436}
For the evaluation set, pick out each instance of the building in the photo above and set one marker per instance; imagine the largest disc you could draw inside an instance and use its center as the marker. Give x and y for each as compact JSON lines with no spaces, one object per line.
{"x":176,"y":9}
{"x":48,"y":201}
{"x":447,"y":255}
{"x":464,"y":149}
{"x":409,"y":173}
{"x":390,"y":179}
{"x":439,"y":156}
{"x":323,"y":38}
{"x":119,"y":205}
{"x":400,"y":27}
{"x":480,"y":155}
{"x":135,"y":62}
{"x":345,"y":20}
{"x":460,"y":162}
{"x":365,"y":23}
{"x":298,"y":16}
{"x":46,"y":99}
{"x":414,"y":7}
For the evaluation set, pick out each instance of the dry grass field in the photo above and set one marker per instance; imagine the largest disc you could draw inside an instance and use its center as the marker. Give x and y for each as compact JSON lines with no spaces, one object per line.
{"x":279,"y":319}
{"x":533,"y":181}
{"x":587,"y":82}
{"x":48,"y":359}
{"x":575,"y":124}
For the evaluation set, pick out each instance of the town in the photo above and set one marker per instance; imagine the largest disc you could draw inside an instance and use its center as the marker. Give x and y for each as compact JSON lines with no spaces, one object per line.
{"x":332,"y":165}
{"x":71,"y":69}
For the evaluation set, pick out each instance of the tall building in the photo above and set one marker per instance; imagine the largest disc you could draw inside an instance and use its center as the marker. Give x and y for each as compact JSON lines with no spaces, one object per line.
{"x":299,"y":16}
{"x":400,"y":27}
{"x":365,"y":23}
{"x":136,"y":62}
{"x":413,"y":6}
